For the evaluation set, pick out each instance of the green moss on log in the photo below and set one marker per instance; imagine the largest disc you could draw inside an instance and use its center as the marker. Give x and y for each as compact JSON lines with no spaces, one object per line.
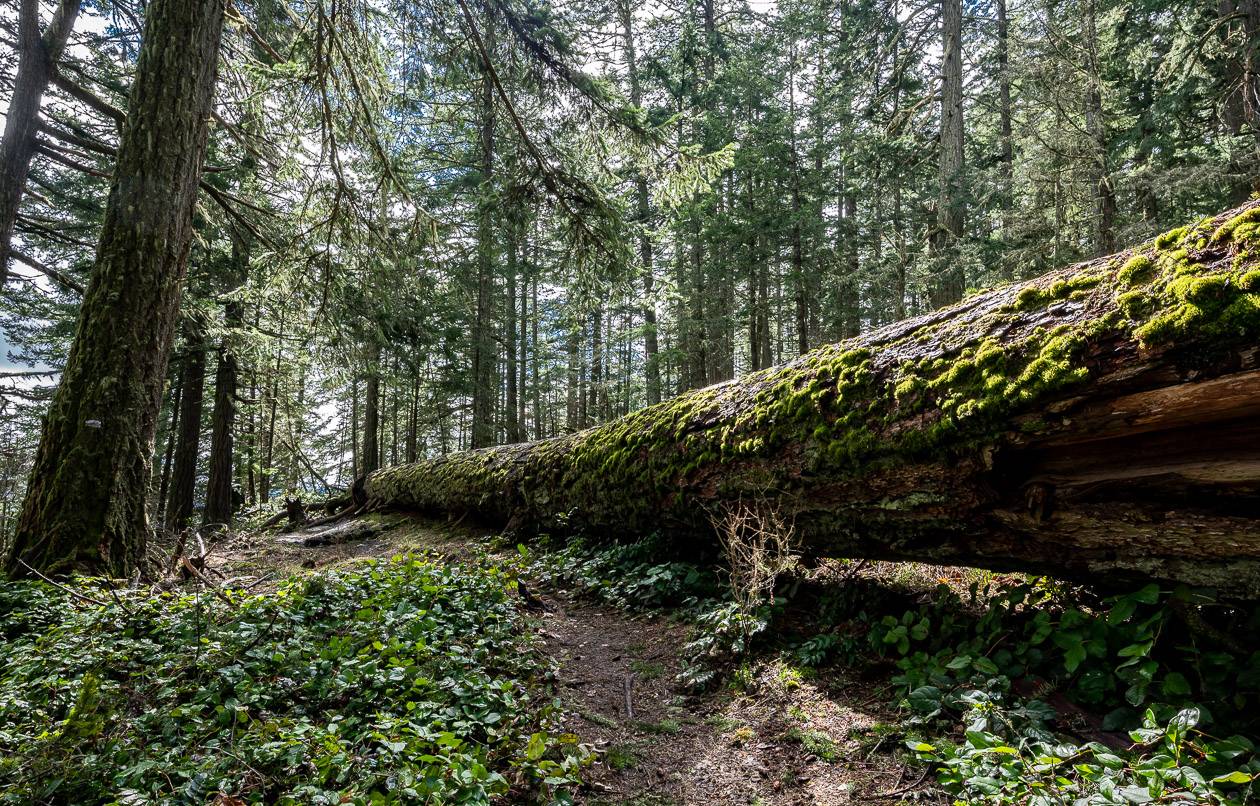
{"x":933,"y":388}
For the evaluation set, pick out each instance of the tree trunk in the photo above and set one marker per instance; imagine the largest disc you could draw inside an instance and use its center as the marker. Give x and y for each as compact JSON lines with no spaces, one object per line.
{"x":219,"y":498}
{"x":511,"y":401}
{"x":522,"y":364}
{"x":1005,"y":135}
{"x":599,"y":391}
{"x":573,"y":393}
{"x":798,"y":253}
{"x":643,"y":216}
{"x":949,"y":283}
{"x":265,"y":477}
{"x":484,"y":354}
{"x":37,"y":58}
{"x":85,"y":506}
{"x":1096,"y":125}
{"x":372,"y":410}
{"x":1242,"y":104}
{"x":168,"y":455}
{"x":851,"y":301}
{"x":179,"y":508}
{"x":1100,"y":422}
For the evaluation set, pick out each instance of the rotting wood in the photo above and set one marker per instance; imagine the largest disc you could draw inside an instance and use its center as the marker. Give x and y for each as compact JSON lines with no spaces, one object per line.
{"x":1099,"y":422}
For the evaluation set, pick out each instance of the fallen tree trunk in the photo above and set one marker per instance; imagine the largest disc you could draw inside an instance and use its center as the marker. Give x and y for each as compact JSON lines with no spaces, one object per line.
{"x":1102,"y":422}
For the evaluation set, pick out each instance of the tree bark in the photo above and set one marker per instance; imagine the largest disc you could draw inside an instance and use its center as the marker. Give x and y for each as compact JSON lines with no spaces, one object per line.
{"x":1006,"y":138}
{"x":1100,"y":422}
{"x":219,"y":498}
{"x":1096,"y":124}
{"x":172,"y":428}
{"x":511,"y":395}
{"x":949,"y":284}
{"x":37,"y":57}
{"x":484,"y":354}
{"x":85,"y":506}
{"x":188,"y":444}
{"x":798,"y":252}
{"x":372,"y":410}
{"x":643,"y":216}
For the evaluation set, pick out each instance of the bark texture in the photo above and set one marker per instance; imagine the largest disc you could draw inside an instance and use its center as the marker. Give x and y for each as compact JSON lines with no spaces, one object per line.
{"x":220,"y":503}
{"x":1100,"y":422}
{"x":85,"y":505}
{"x":951,"y":203}
{"x":179,"y":509}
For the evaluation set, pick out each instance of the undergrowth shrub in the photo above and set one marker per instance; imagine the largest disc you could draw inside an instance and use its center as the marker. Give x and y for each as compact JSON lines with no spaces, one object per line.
{"x":641,"y":575}
{"x":401,"y":681}
{"x":1023,"y":670}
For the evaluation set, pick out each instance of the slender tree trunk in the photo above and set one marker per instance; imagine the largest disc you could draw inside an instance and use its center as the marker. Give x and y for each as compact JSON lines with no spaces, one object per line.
{"x":484,"y":352}
{"x":949,"y":283}
{"x":598,"y":392}
{"x":752,"y":273}
{"x":393,"y":413}
{"x":535,"y":358}
{"x":85,"y":506}
{"x":1006,"y":139}
{"x":699,"y":326}
{"x":372,"y":410}
{"x":522,"y":364}
{"x":898,"y":221}
{"x":853,"y":285}
{"x":168,"y":455}
{"x":584,"y":407}
{"x":511,"y":402}
{"x":767,"y":340}
{"x":265,"y":477}
{"x":573,"y":393}
{"x":798,"y":254}
{"x":356,"y":463}
{"x":1242,"y":104}
{"x":179,"y":508}
{"x":899,"y":242}
{"x":219,"y":494}
{"x":37,"y":58}
{"x":413,"y":419}
{"x":1096,"y":125}
{"x":643,"y":217}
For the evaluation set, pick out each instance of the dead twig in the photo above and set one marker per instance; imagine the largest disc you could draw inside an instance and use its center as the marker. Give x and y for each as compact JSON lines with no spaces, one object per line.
{"x":192,"y":569}
{"x":905,"y":789}
{"x":260,"y":580}
{"x":629,"y":688}
{"x":350,"y":509}
{"x":59,"y":586}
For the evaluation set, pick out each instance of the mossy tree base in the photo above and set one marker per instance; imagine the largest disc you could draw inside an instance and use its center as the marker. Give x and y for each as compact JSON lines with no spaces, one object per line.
{"x":84,"y":510}
{"x":1101,"y":422}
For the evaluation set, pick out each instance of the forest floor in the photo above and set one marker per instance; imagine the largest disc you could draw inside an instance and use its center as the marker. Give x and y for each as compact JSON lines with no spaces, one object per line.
{"x":776,"y":738}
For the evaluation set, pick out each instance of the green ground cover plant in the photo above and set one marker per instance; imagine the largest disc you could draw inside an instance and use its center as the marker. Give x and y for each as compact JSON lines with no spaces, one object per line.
{"x":402,"y":681}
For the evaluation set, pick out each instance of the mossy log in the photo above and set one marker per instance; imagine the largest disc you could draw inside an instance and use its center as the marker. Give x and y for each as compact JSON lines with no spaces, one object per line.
{"x":1100,"y":422}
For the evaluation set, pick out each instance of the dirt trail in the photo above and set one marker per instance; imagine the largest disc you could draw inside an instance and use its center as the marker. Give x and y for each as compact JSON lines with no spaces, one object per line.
{"x":776,"y":738}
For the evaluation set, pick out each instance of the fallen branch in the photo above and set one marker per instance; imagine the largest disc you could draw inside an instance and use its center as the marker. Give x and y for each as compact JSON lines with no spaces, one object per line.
{"x":59,"y":586}
{"x":192,"y":569}
{"x":905,"y":789}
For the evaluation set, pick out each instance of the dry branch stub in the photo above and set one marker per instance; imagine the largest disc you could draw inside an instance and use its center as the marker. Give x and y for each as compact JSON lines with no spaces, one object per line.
{"x":1098,"y":422}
